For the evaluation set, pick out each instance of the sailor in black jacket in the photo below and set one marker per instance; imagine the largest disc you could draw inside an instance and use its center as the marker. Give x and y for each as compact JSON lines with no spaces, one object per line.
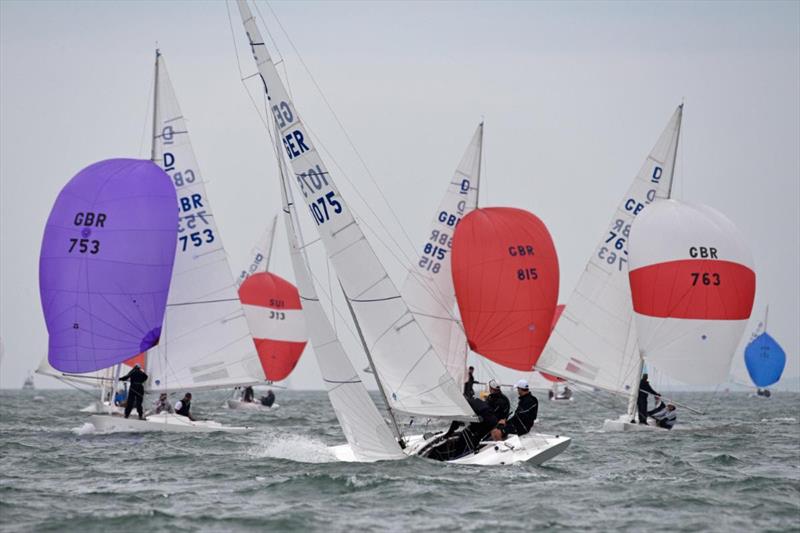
{"x":137,"y":377}
{"x":524,"y":416}
{"x":641,"y":401}
{"x":497,"y":401}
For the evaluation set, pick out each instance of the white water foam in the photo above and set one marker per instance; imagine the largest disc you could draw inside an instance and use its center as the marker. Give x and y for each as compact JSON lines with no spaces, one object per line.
{"x":85,"y":429}
{"x":294,"y":448}
{"x":779,"y":419}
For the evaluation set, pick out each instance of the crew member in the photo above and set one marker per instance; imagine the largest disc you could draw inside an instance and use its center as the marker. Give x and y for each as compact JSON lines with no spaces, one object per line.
{"x":664,"y":415}
{"x":269,"y":399}
{"x":137,"y":377}
{"x":497,"y":401}
{"x":524,"y":416}
{"x":248,"y":394}
{"x":162,"y":404}
{"x":182,"y":406}
{"x":468,"y":392}
{"x":641,"y":401}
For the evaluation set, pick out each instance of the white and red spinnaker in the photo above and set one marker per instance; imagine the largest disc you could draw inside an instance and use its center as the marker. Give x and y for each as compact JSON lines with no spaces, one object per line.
{"x":275,"y":316}
{"x":693,"y":284}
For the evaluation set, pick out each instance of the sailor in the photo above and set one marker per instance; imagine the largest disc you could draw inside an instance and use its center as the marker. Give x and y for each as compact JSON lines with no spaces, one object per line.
{"x":120,"y":396}
{"x":664,"y":415}
{"x":468,"y":392}
{"x":182,"y":406}
{"x":269,"y":399}
{"x":137,"y":378}
{"x":162,"y":404}
{"x":641,"y":401}
{"x":497,"y":401}
{"x":524,"y":416}
{"x":248,"y":394}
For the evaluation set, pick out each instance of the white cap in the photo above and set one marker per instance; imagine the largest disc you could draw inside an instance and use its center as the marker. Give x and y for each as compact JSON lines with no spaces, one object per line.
{"x":522,"y":384}
{"x":493,"y":384}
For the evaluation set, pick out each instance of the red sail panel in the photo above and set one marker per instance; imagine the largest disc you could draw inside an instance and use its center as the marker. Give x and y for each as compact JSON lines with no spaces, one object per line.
{"x":505,"y":274}
{"x":274,"y":314}
{"x":706,"y":289}
{"x":135,"y":360}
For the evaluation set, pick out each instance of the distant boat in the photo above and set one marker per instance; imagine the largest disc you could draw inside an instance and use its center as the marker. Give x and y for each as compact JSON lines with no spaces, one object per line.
{"x":28,"y":384}
{"x":764,"y":359}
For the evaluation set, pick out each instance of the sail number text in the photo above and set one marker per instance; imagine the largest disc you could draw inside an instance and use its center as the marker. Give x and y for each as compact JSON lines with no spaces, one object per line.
{"x":441,"y":241}
{"x":86,"y":220}
{"x":706,"y":278}
{"x":319,"y":208}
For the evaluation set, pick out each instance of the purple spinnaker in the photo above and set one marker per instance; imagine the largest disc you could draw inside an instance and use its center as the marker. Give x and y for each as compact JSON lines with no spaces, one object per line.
{"x":106,"y":264}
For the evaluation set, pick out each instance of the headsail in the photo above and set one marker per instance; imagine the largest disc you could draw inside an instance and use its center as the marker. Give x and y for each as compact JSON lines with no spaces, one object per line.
{"x":261,"y":253}
{"x":693,"y":284}
{"x":105,"y":265}
{"x":505,"y":273}
{"x":428,"y":289}
{"x":207,"y":342}
{"x":413,"y":376}
{"x":594,"y":341}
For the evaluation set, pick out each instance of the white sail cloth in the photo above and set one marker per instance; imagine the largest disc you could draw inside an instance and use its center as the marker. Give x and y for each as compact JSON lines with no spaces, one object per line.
{"x":260,"y":254}
{"x":205,"y":342}
{"x":413,"y":377}
{"x":594,"y":341}
{"x":428,"y":290}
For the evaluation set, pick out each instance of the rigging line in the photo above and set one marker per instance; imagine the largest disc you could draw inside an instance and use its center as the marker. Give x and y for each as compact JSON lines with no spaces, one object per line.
{"x":147,"y":117}
{"x":339,"y":122}
{"x":281,"y":60}
{"x":204,"y":302}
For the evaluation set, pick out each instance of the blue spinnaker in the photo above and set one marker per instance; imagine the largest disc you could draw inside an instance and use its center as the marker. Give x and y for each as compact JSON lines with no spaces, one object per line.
{"x":765,"y":360}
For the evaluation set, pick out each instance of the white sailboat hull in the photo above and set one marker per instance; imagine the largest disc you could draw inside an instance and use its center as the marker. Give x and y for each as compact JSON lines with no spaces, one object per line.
{"x":163,"y":422}
{"x":102,"y":407}
{"x":623,"y":423}
{"x":534,"y":448}
{"x":250,"y":406}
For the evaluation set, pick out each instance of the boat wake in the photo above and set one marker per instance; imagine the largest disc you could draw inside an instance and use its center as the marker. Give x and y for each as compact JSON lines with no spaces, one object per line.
{"x":294,"y":448}
{"x":85,"y":429}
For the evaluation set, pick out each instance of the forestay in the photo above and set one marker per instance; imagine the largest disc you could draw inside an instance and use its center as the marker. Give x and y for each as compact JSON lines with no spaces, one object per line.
{"x":594,"y":341}
{"x":693,"y":284}
{"x":413,"y":377}
{"x":365,"y":430}
{"x":206,"y":342}
{"x":428,"y":289}
{"x":261,"y":253}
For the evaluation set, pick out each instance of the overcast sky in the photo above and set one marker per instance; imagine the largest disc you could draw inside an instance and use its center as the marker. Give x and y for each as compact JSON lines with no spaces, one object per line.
{"x":574,"y":95}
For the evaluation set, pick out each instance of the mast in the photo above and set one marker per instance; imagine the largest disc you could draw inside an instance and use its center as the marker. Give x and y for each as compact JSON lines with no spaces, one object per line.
{"x":480,"y":161}
{"x":271,"y":242}
{"x":155,"y":110}
{"x":675,"y":153}
{"x":395,"y":426}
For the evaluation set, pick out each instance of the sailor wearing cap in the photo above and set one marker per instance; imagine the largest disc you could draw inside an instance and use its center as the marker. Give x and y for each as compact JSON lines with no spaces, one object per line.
{"x":497,"y":401}
{"x":522,"y":420}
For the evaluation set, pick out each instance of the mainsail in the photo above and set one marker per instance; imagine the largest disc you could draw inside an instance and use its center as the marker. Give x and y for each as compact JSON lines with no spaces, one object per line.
{"x":428,"y":289}
{"x":594,"y":341}
{"x":692,"y":284}
{"x":105,"y":264}
{"x":261,"y":253}
{"x":505,"y":273}
{"x":414,"y":379}
{"x":206,"y":341}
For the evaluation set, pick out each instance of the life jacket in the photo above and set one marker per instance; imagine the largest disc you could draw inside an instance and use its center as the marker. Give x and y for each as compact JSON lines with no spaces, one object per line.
{"x":184,"y":410}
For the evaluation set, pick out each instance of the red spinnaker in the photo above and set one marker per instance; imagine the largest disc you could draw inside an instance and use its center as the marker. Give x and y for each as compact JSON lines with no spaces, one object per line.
{"x":275,"y":316}
{"x":505,"y":273}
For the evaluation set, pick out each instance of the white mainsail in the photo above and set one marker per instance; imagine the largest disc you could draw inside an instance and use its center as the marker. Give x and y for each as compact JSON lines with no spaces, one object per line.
{"x":365,"y":430}
{"x":205,"y":342}
{"x":428,"y":290}
{"x":260,"y":254}
{"x":413,"y":377}
{"x":594,"y":341}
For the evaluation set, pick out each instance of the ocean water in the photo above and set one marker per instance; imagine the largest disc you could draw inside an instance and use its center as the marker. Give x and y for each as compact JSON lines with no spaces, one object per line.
{"x":735,"y":469}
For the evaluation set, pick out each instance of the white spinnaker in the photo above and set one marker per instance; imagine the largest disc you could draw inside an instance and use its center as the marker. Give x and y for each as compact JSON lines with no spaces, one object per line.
{"x":428,"y":290}
{"x":594,"y":341}
{"x":205,"y":341}
{"x":261,"y":253}
{"x":365,"y":430}
{"x":413,"y":377}
{"x":697,"y":351}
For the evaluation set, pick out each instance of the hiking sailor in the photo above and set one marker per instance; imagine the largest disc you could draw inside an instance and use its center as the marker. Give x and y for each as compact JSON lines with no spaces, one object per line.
{"x":664,"y":415}
{"x":497,"y":401}
{"x":182,"y":406}
{"x":162,"y":405}
{"x":137,"y":378}
{"x":524,"y":416}
{"x":269,"y":399}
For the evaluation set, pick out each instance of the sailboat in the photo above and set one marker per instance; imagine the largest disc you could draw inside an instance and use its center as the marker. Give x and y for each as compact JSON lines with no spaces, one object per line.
{"x":205,"y":341}
{"x":594,"y":342}
{"x":275,"y":317}
{"x":764,"y":359}
{"x":693,"y":284}
{"x":411,"y":377}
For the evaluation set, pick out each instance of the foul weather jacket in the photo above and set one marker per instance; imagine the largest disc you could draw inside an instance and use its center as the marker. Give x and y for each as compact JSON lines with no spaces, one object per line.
{"x":522,"y":421}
